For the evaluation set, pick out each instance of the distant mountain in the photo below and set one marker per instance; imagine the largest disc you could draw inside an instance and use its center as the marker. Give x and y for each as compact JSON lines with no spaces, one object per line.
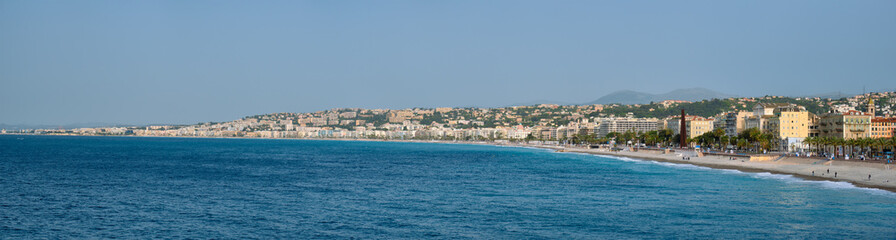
{"x":845,"y":94}
{"x":633,"y":97}
{"x":831,"y":95}
{"x":540,"y":101}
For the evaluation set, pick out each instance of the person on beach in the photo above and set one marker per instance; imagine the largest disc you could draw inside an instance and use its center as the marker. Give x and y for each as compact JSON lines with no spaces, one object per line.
{"x":813,"y":173}
{"x":835,"y":174}
{"x":869,"y":177}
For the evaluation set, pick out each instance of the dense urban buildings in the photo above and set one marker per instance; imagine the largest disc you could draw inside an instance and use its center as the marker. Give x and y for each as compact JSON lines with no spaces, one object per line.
{"x":787,"y":120}
{"x":694,"y":125}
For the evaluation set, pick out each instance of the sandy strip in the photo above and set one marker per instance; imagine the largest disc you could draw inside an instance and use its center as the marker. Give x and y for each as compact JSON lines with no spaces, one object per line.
{"x":883,"y":176}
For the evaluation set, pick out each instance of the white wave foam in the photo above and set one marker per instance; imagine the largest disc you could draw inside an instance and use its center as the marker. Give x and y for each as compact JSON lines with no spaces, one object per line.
{"x":767,"y":175}
{"x":631,"y":160}
{"x":667,"y":164}
{"x":732,"y":171}
{"x":683,"y":166}
{"x":822,"y":183}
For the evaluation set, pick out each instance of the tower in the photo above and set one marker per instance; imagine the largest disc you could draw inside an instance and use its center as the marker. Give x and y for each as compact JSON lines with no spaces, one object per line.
{"x":682,"y":131}
{"x":871,"y":106}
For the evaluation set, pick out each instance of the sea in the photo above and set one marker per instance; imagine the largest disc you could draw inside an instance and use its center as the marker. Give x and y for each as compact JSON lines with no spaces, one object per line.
{"x":201,"y":188}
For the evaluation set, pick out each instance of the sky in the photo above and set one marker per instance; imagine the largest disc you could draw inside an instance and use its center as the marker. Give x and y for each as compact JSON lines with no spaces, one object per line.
{"x":182,"y":62}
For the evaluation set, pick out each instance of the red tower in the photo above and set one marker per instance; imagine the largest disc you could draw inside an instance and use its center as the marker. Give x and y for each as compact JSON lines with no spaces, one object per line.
{"x":682,"y":132}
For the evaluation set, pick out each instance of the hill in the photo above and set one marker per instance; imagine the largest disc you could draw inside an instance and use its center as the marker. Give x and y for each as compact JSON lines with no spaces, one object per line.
{"x":633,"y":97}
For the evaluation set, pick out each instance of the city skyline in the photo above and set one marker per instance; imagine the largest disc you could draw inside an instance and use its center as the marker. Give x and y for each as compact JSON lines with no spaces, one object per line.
{"x":182,"y":63}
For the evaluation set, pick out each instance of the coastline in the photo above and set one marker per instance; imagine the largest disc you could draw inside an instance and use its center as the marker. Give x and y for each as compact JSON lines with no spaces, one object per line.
{"x":851,"y":172}
{"x":855,"y":173}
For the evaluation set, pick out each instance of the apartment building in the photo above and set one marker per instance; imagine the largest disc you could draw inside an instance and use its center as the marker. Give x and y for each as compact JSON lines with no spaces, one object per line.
{"x":883,"y":127}
{"x":736,"y":122}
{"x":848,"y":125}
{"x":694,"y":125}
{"x":622,"y":125}
{"x":791,"y":122}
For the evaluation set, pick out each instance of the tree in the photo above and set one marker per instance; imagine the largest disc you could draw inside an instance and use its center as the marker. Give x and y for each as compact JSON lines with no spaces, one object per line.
{"x":529,"y":137}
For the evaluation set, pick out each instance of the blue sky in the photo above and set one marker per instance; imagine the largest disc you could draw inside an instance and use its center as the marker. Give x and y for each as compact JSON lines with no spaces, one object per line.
{"x":194,"y":61}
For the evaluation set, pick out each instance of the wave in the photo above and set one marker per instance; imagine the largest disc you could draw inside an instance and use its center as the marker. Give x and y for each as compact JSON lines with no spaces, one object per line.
{"x":822,"y":183}
{"x":667,"y":164}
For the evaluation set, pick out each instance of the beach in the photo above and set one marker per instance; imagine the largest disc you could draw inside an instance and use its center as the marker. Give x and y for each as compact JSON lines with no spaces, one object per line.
{"x":883,"y":176}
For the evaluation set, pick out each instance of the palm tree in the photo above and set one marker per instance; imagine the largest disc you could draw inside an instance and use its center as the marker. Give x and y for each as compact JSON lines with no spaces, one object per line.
{"x":841,"y":144}
{"x":866,"y":146}
{"x":831,"y":143}
{"x":851,"y":143}
{"x":877,"y":144}
{"x":809,"y":141}
{"x":823,"y":144}
{"x":742,"y":143}
{"x":723,"y":142}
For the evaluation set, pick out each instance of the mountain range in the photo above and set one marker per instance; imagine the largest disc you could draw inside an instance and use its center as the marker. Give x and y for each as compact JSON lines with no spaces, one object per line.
{"x":634,"y":97}
{"x":686,"y":94}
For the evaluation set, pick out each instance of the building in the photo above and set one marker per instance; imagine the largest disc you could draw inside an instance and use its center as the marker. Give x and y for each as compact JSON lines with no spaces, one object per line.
{"x":757,"y":122}
{"x":695,"y":125}
{"x":883,"y":127}
{"x":768,"y":109}
{"x":790,"y":122}
{"x":736,"y":122}
{"x":399,"y":116}
{"x":720,"y":121}
{"x":667,"y":103}
{"x":762,"y":113}
{"x":848,"y":125}
{"x":791,"y":125}
{"x":621,"y":125}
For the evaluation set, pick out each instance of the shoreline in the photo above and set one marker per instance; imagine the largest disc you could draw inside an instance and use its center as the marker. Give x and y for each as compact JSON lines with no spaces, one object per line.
{"x":855,"y":173}
{"x":848,"y":171}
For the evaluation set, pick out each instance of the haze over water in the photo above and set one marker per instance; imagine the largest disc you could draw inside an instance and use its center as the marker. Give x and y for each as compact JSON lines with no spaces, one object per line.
{"x":123,"y":187}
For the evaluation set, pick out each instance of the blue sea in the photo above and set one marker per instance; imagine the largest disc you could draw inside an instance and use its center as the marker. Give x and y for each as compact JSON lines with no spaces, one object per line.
{"x":130,"y":187}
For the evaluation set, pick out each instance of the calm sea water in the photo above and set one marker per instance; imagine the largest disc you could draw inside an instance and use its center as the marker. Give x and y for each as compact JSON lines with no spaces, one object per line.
{"x":104,"y":187}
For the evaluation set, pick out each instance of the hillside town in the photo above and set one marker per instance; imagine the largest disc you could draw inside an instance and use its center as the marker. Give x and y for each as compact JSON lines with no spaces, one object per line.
{"x":768,"y":123}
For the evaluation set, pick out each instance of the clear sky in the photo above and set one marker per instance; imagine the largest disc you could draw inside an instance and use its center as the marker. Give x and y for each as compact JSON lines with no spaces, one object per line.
{"x":141,"y":62}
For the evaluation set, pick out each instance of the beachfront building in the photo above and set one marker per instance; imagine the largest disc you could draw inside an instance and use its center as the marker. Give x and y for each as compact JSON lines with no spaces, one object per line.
{"x":757,"y":122}
{"x":883,"y":127}
{"x":735,"y":122}
{"x":544,"y":133}
{"x":621,"y":125}
{"x":848,"y":125}
{"x":695,"y":125}
{"x":762,"y":113}
{"x":720,"y":121}
{"x":792,"y":124}
{"x":584,"y":127}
